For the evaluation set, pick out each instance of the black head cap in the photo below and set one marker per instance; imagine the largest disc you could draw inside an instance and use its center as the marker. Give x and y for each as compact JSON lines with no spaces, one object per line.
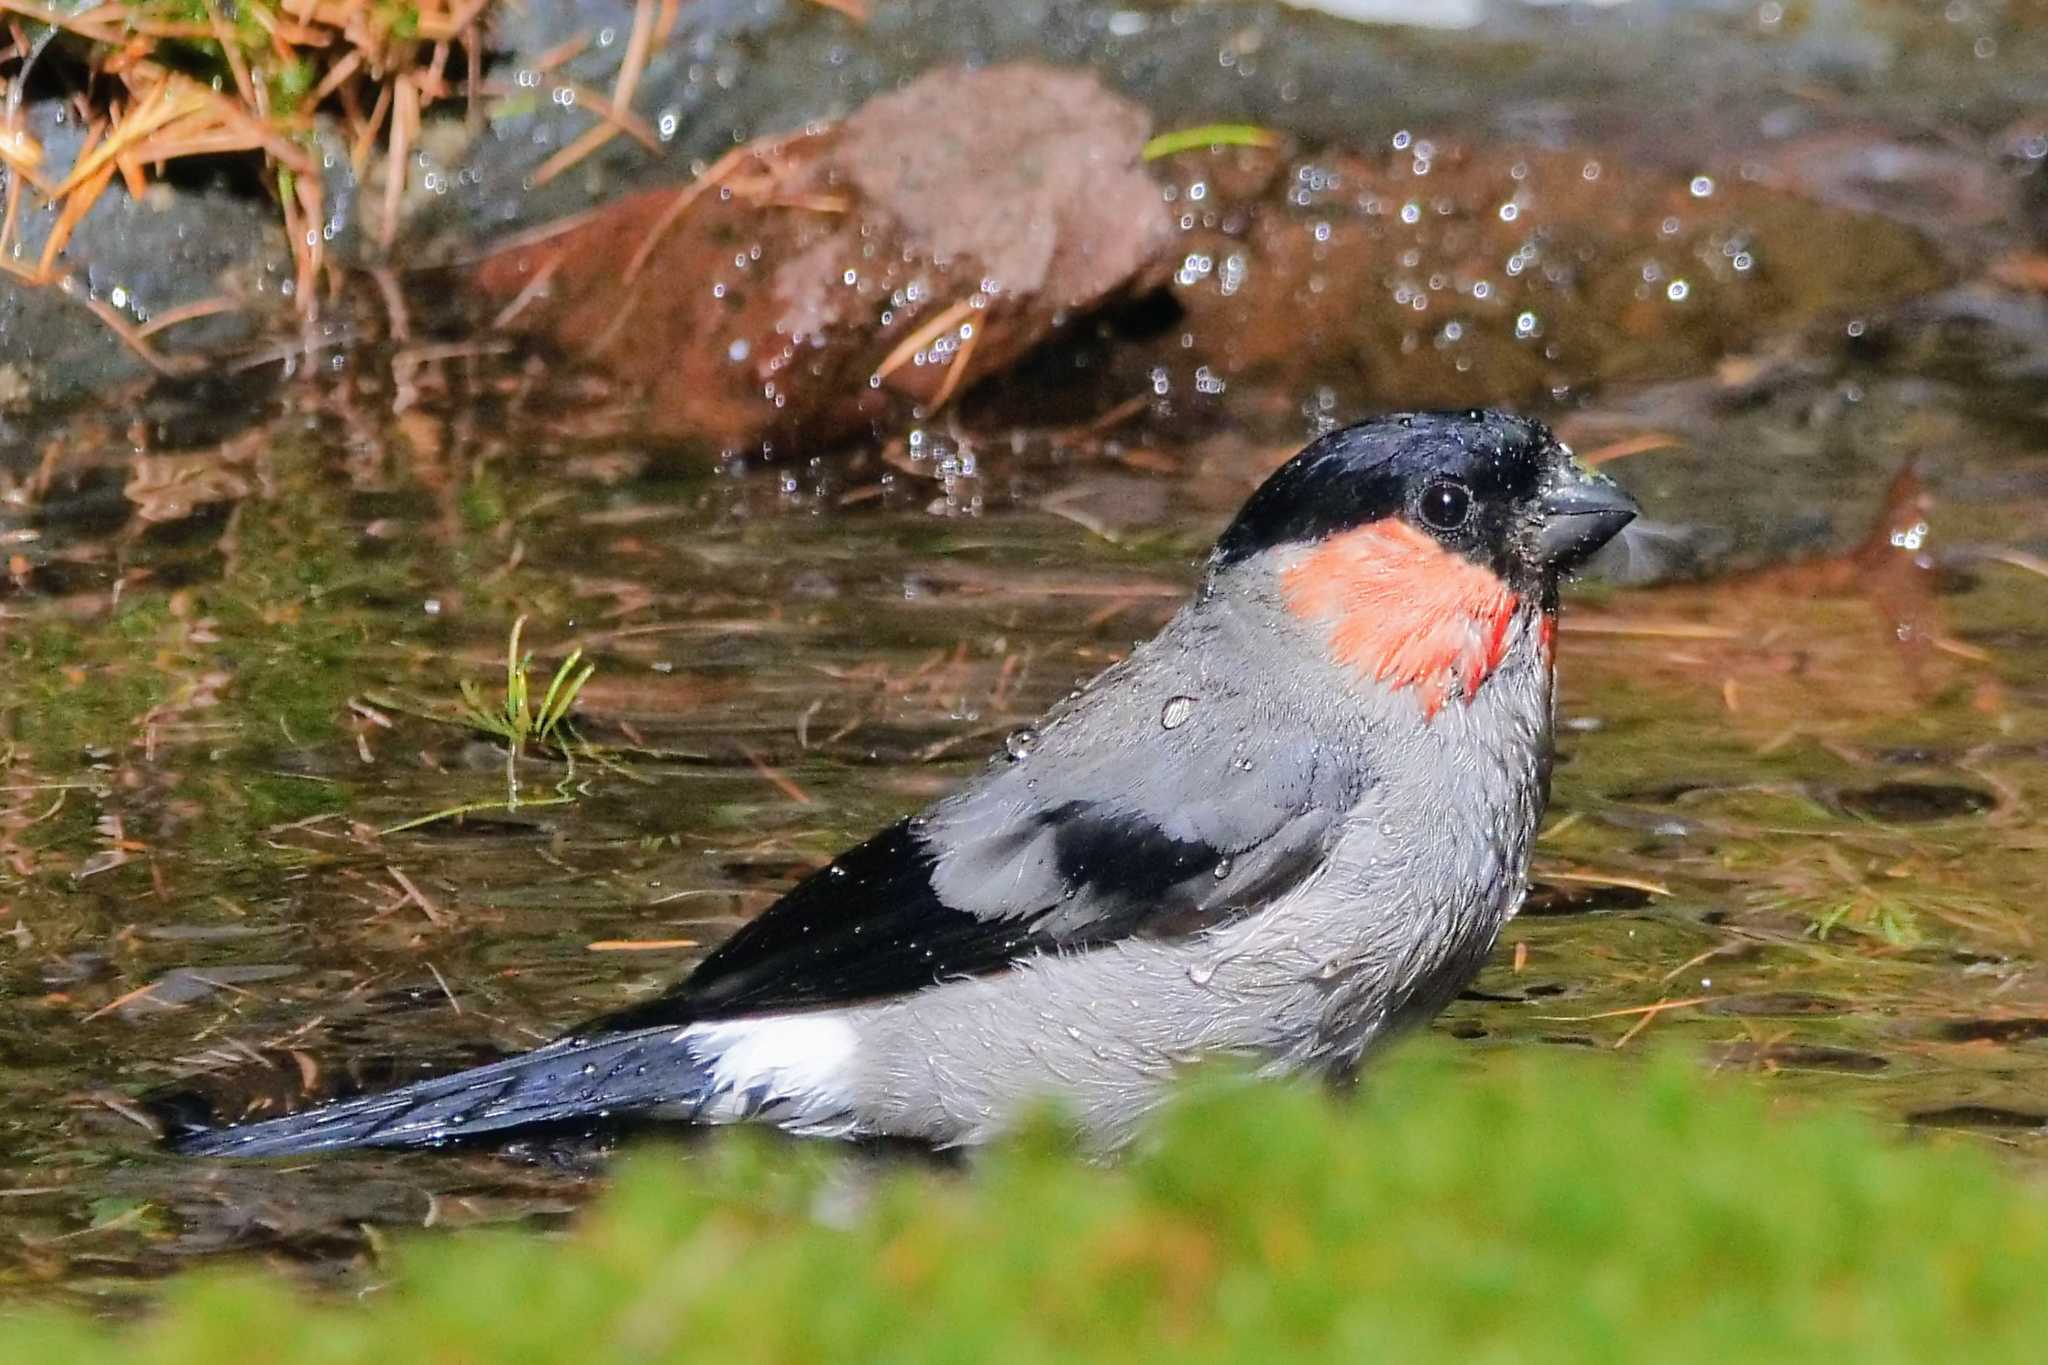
{"x":1489,"y":486}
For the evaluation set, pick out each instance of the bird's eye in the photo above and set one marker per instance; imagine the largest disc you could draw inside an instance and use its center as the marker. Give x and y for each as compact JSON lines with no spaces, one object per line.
{"x":1445,"y":505}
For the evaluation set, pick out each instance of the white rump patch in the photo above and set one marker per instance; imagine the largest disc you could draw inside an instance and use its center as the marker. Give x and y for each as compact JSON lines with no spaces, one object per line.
{"x":797,"y":1057}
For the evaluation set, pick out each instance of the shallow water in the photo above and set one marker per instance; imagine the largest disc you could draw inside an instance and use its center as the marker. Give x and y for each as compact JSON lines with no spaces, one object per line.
{"x":1804,"y":751}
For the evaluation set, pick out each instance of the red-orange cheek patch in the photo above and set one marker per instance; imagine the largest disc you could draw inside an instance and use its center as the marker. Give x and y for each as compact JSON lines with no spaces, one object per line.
{"x":1400,"y":609}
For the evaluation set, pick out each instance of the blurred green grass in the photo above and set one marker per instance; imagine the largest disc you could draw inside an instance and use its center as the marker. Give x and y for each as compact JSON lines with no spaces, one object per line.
{"x":1535,"y":1207}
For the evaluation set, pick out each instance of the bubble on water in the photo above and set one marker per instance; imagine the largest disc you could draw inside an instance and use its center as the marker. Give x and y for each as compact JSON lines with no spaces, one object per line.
{"x":1677,"y":291}
{"x":1702,"y":186}
{"x":1176,"y":712}
{"x":1232,"y":275}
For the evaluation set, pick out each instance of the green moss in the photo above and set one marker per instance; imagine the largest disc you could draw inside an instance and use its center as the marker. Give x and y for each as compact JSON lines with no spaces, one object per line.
{"x":78,"y":687}
{"x":1529,"y":1208}
{"x":290,"y":82}
{"x":276,"y":799}
{"x":483,"y":502}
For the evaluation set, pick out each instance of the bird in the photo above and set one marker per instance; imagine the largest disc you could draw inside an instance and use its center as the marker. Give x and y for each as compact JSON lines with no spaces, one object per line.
{"x":1283,"y":829}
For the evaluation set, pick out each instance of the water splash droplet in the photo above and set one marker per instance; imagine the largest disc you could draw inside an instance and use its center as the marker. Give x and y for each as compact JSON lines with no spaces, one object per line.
{"x":1176,"y":712}
{"x":1020,"y":742}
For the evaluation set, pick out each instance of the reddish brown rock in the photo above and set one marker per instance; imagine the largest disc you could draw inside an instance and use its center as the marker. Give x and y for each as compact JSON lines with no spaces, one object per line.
{"x":1448,"y":275}
{"x":807,"y":286}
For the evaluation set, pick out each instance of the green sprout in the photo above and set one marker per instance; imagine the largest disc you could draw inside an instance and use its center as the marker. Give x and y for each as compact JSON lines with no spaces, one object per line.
{"x":520,"y":724}
{"x":515,"y":720}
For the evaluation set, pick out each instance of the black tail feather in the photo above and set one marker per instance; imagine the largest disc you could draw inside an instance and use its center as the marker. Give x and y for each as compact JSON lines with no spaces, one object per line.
{"x":573,"y":1078}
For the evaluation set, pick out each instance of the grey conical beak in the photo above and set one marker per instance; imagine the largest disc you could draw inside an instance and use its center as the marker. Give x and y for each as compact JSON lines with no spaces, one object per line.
{"x":1578,"y":514}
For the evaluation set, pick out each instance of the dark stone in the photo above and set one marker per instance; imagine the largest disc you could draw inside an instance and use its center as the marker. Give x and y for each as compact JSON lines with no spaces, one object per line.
{"x":1910,"y":803}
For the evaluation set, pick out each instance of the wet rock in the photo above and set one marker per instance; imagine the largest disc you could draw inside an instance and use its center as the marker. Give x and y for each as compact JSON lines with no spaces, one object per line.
{"x":1803,"y":1056}
{"x":721,"y":71}
{"x":1907,"y":803}
{"x":1440,"y":274}
{"x":2021,"y":1030}
{"x":1549,"y":899}
{"x":811,"y":285}
{"x":729,"y":70}
{"x":1977,"y":1116}
{"x":140,"y":259}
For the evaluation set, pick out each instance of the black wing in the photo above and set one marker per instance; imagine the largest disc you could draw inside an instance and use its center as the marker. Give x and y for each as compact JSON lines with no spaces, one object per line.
{"x":875,"y":922}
